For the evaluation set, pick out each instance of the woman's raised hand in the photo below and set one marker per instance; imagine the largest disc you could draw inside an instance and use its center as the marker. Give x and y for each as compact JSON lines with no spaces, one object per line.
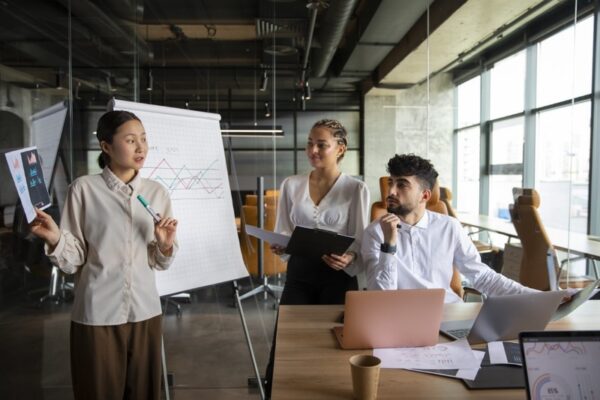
{"x":164,"y":231}
{"x":44,"y":227}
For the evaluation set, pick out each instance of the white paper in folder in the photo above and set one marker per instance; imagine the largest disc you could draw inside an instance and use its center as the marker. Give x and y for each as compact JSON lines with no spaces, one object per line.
{"x":268,"y":236}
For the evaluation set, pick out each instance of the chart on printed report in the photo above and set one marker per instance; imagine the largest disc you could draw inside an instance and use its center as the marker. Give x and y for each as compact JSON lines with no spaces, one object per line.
{"x":563,"y":370}
{"x":187,"y":157}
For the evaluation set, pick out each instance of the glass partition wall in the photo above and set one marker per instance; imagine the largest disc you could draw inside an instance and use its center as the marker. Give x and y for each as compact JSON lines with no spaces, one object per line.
{"x":519,"y":114}
{"x":81,"y":55}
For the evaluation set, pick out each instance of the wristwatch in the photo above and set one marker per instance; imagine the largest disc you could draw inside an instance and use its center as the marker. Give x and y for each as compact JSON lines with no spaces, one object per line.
{"x":386,"y":248}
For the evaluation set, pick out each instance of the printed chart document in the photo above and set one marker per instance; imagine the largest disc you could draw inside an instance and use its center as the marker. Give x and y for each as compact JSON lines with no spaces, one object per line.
{"x":505,"y":353}
{"x":463,"y":373}
{"x":26,"y":170}
{"x":451,"y":355}
{"x":268,"y":236}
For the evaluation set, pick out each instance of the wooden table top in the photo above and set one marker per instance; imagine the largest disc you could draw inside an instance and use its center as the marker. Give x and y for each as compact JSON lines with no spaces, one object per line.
{"x":309,"y":363}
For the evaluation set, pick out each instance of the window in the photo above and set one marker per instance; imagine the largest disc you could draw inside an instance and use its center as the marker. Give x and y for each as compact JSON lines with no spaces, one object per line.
{"x":467,"y":188}
{"x":507,"y":86}
{"x":468,"y":99}
{"x":506,"y":164}
{"x":561,"y":72}
{"x":562,"y":166}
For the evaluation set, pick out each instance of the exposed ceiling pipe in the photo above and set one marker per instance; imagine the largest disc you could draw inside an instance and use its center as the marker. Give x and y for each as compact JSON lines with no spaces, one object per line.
{"x":314,"y":9}
{"x":331,"y":33}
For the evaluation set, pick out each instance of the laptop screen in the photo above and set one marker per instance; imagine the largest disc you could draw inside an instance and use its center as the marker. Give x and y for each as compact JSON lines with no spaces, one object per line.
{"x":561,"y":365}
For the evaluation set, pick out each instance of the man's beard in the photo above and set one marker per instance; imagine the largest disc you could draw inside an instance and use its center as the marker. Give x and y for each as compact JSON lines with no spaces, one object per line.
{"x":400,"y":210}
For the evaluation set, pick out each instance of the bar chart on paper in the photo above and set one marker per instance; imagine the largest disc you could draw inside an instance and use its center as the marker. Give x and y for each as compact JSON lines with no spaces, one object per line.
{"x":186,"y":156}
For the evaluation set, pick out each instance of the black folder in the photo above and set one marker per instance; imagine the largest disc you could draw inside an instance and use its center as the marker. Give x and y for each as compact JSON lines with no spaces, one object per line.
{"x":314,"y":243}
{"x":497,"y":376}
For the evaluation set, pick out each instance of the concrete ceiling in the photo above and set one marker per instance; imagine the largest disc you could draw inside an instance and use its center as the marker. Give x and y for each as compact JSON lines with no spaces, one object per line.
{"x":212,"y":54}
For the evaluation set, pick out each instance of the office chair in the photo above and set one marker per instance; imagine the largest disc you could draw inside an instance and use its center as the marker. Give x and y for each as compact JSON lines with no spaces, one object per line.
{"x":534,"y":239}
{"x":378,"y":208}
{"x":269,"y":200}
{"x":446,"y":198}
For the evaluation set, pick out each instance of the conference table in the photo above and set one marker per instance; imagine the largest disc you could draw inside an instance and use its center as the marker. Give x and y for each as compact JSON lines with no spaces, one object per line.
{"x":577,"y":243}
{"x":309,"y":364}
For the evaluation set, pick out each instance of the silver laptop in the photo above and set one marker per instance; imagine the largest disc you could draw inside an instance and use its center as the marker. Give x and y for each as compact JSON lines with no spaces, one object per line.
{"x":561,"y":364}
{"x":503,"y":317}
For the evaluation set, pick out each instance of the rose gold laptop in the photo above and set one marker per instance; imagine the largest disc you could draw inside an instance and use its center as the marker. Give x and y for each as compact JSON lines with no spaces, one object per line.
{"x":391,"y":318}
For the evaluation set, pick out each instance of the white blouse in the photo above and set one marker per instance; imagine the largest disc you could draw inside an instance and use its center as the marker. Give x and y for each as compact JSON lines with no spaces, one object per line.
{"x":344,"y":210}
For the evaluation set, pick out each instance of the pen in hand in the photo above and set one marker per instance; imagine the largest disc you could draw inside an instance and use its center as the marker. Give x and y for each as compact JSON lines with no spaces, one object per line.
{"x":150,"y":210}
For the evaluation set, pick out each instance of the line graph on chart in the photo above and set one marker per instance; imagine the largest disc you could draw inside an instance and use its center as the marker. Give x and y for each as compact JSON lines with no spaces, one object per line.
{"x":549,"y":348}
{"x":185,"y":181}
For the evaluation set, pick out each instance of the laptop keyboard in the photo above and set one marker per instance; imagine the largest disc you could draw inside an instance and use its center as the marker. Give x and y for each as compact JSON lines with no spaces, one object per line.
{"x":459,"y":333}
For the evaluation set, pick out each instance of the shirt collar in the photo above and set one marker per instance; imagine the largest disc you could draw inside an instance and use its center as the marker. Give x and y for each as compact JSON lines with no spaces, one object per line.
{"x":117,"y":185}
{"x":422,"y":224}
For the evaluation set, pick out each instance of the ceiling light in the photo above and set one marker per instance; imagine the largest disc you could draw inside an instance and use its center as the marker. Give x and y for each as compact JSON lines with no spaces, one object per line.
{"x":110,"y":84}
{"x":252,"y":131}
{"x":307,"y":94}
{"x":149,"y":81}
{"x":264,"y":82}
{"x":267,"y":109}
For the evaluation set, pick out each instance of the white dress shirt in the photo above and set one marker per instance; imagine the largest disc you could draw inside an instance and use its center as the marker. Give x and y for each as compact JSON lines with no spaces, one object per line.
{"x":425,"y":255}
{"x":344,"y":210}
{"x":107,"y":240}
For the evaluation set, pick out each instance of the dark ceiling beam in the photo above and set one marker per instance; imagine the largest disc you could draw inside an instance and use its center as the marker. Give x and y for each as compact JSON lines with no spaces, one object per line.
{"x":439,"y":11}
{"x":356,"y":28}
{"x":94,"y":17}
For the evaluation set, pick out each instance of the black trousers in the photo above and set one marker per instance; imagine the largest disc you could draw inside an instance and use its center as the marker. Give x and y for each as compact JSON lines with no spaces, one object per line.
{"x":314,"y":282}
{"x":309,"y":282}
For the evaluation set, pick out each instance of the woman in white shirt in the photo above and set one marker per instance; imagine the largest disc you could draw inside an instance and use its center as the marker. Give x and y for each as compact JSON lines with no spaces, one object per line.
{"x":326,"y":199}
{"x":113,"y":245}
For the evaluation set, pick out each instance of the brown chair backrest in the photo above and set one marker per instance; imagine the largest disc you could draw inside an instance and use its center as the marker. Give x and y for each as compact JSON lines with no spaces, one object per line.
{"x":272,"y":263}
{"x":446,"y":198}
{"x":434,"y":204}
{"x":378,"y":208}
{"x":270,"y":200}
{"x":534,"y":239}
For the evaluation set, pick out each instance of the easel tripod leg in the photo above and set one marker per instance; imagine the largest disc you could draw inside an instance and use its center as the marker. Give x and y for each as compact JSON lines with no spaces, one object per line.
{"x":164,"y":368}
{"x":249,"y":342}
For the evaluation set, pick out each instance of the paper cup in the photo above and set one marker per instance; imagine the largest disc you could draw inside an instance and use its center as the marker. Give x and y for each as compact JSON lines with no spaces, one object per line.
{"x":365,"y":376}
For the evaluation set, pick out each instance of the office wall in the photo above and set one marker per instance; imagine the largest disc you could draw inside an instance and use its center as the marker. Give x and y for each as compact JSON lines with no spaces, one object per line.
{"x":403,"y":123}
